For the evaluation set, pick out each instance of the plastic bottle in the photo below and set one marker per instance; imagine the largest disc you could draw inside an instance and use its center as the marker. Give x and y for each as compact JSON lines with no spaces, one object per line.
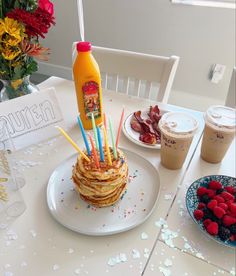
{"x":87,"y":81}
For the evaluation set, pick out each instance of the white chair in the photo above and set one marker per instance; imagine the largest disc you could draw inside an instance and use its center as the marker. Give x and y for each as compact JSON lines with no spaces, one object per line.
{"x":230,"y":99}
{"x":136,"y":74}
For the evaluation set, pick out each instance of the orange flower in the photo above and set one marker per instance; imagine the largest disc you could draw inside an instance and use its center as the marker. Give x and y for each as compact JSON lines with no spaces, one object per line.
{"x":35,"y":50}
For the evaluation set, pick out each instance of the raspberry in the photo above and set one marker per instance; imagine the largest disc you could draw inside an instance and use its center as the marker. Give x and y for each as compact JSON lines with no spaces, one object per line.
{"x":212,"y":228}
{"x":206,"y":222}
{"x":219,"y":198}
{"x":201,"y":191}
{"x":205,"y":198}
{"x":227,"y":220}
{"x":224,"y":233}
{"x":232,"y":207}
{"x":198,"y":214}
{"x":215,"y":185}
{"x":230,"y":189}
{"x":212,"y":204}
{"x":219,"y":212}
{"x":223,"y":206}
{"x":201,"y":205}
{"x":227,"y":196}
{"x":211,"y":193}
{"x":232,"y":228}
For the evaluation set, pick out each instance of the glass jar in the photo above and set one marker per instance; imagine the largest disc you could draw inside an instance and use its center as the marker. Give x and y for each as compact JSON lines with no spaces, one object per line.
{"x":17,"y":88}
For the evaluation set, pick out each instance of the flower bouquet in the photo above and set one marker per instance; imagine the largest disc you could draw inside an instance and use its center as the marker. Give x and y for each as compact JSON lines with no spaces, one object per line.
{"x":22,"y":24}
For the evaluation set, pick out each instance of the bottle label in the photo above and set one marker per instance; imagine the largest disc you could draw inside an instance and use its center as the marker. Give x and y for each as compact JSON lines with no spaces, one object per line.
{"x":91,"y":99}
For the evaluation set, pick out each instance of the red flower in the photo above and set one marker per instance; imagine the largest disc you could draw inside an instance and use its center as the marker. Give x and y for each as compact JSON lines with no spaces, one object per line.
{"x":36,"y":23}
{"x":46,"y":5}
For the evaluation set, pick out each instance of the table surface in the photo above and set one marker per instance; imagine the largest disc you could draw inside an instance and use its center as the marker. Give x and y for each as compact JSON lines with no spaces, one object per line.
{"x":35,"y":244}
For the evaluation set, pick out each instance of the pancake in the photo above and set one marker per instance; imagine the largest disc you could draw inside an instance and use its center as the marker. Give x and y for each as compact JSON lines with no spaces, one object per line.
{"x":102,"y":186}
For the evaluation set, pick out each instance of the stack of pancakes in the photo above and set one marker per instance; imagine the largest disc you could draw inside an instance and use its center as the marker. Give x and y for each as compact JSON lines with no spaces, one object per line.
{"x":101,"y":186}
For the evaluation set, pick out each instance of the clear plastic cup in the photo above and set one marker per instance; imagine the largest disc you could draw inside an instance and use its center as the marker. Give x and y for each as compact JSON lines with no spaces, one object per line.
{"x":177,"y":131}
{"x":12,"y":204}
{"x":219,"y":132}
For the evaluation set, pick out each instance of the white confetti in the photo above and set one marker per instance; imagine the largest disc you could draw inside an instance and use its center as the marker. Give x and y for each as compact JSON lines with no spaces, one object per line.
{"x":117,"y":259}
{"x":167,"y":235}
{"x":161,"y":222}
{"x":77,"y":271}
{"x":168,"y":197}
{"x":165,"y":271}
{"x":55,"y":267}
{"x":33,"y":233}
{"x":11,"y":235}
{"x":111,"y":262}
{"x":232,"y":271}
{"x":7,"y":266}
{"x":199,"y":255}
{"x":144,"y":236}
{"x":168,"y":262}
{"x":70,"y":250}
{"x":146,"y":252}
{"x":23,"y":264}
{"x":123,"y":257}
{"x":135,"y":254}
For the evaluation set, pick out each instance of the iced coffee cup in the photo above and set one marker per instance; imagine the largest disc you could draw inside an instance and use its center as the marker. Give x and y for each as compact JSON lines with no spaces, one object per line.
{"x":218,"y":134}
{"x":177,"y":131}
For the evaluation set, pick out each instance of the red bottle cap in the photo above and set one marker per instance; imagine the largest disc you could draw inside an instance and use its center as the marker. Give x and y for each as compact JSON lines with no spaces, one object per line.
{"x":83,"y":46}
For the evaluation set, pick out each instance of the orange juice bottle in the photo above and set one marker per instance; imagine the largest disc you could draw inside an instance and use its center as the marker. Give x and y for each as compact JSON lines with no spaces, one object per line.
{"x":87,"y":80}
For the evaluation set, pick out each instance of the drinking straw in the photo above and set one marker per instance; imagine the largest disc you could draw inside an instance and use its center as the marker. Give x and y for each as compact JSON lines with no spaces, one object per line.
{"x":81,"y":18}
{"x":94,"y":152}
{"x":104,"y":120}
{"x":119,"y":129}
{"x":100,"y":145}
{"x":72,"y":142}
{"x":95,"y":132}
{"x":84,"y":135}
{"x":112,"y":138}
{"x":107,"y":147}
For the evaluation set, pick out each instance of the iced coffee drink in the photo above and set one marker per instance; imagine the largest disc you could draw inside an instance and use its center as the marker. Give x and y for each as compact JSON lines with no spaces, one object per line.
{"x":218,"y":134}
{"x":177,"y":130}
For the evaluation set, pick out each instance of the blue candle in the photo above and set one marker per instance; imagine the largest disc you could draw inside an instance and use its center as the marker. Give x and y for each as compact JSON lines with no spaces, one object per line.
{"x":100,"y":145}
{"x":84,"y":135}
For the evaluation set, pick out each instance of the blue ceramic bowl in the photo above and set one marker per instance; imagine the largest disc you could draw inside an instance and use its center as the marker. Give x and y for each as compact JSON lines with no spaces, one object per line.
{"x":192,"y":200}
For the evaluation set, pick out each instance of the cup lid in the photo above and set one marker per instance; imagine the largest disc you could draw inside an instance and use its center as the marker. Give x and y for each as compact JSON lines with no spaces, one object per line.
{"x":178,"y":123}
{"x":221,"y":116}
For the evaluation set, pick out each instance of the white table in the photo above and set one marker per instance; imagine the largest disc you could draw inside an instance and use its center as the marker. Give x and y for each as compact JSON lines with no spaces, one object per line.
{"x":44,"y":247}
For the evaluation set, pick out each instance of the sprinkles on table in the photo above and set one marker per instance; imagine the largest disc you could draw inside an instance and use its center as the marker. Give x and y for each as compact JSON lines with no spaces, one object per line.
{"x":3,"y":193}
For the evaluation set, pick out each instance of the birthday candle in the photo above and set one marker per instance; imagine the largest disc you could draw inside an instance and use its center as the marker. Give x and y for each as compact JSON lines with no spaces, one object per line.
{"x":84,"y":135}
{"x":112,"y":138}
{"x":100,"y":145}
{"x":119,"y":129}
{"x":104,"y":120}
{"x":95,"y":132}
{"x":95,"y":156}
{"x":107,"y":147}
{"x":72,"y":143}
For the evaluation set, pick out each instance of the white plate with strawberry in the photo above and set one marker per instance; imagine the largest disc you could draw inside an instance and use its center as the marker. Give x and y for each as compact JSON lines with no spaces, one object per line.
{"x":141,"y":127}
{"x":211,"y":202}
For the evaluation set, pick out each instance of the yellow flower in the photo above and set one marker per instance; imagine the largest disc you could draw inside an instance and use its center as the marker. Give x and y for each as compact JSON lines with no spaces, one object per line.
{"x":10,"y":53}
{"x":16,"y":83}
{"x":11,"y":31}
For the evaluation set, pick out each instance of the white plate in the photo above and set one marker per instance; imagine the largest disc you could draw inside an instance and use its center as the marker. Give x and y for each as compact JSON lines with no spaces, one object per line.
{"x":134,"y":135}
{"x":133,"y":209}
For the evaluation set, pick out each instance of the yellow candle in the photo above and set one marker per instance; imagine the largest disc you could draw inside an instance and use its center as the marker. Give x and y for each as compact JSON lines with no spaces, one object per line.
{"x":72,"y":143}
{"x":107,"y":146}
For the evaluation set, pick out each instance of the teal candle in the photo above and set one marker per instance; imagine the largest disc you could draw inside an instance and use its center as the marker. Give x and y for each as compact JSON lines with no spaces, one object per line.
{"x":84,"y":135}
{"x":100,"y":145}
{"x":112,"y":139}
{"x":95,"y":132}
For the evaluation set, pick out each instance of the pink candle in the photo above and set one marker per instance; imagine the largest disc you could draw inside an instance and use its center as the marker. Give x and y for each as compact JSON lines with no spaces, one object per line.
{"x":94,"y":152}
{"x":104,"y":120}
{"x":119,"y":129}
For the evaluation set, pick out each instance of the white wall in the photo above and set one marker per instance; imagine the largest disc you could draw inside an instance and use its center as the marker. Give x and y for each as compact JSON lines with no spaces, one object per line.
{"x":201,"y":36}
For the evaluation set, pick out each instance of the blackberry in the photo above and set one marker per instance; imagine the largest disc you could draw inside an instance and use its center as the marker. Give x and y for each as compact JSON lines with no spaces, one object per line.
{"x":208,"y":214}
{"x":232,"y":228}
{"x":224,"y":233}
{"x":218,"y":192}
{"x":205,"y":199}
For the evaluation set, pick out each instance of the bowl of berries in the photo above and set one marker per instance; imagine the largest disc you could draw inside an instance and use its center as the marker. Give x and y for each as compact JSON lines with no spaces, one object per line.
{"x":211,"y":202}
